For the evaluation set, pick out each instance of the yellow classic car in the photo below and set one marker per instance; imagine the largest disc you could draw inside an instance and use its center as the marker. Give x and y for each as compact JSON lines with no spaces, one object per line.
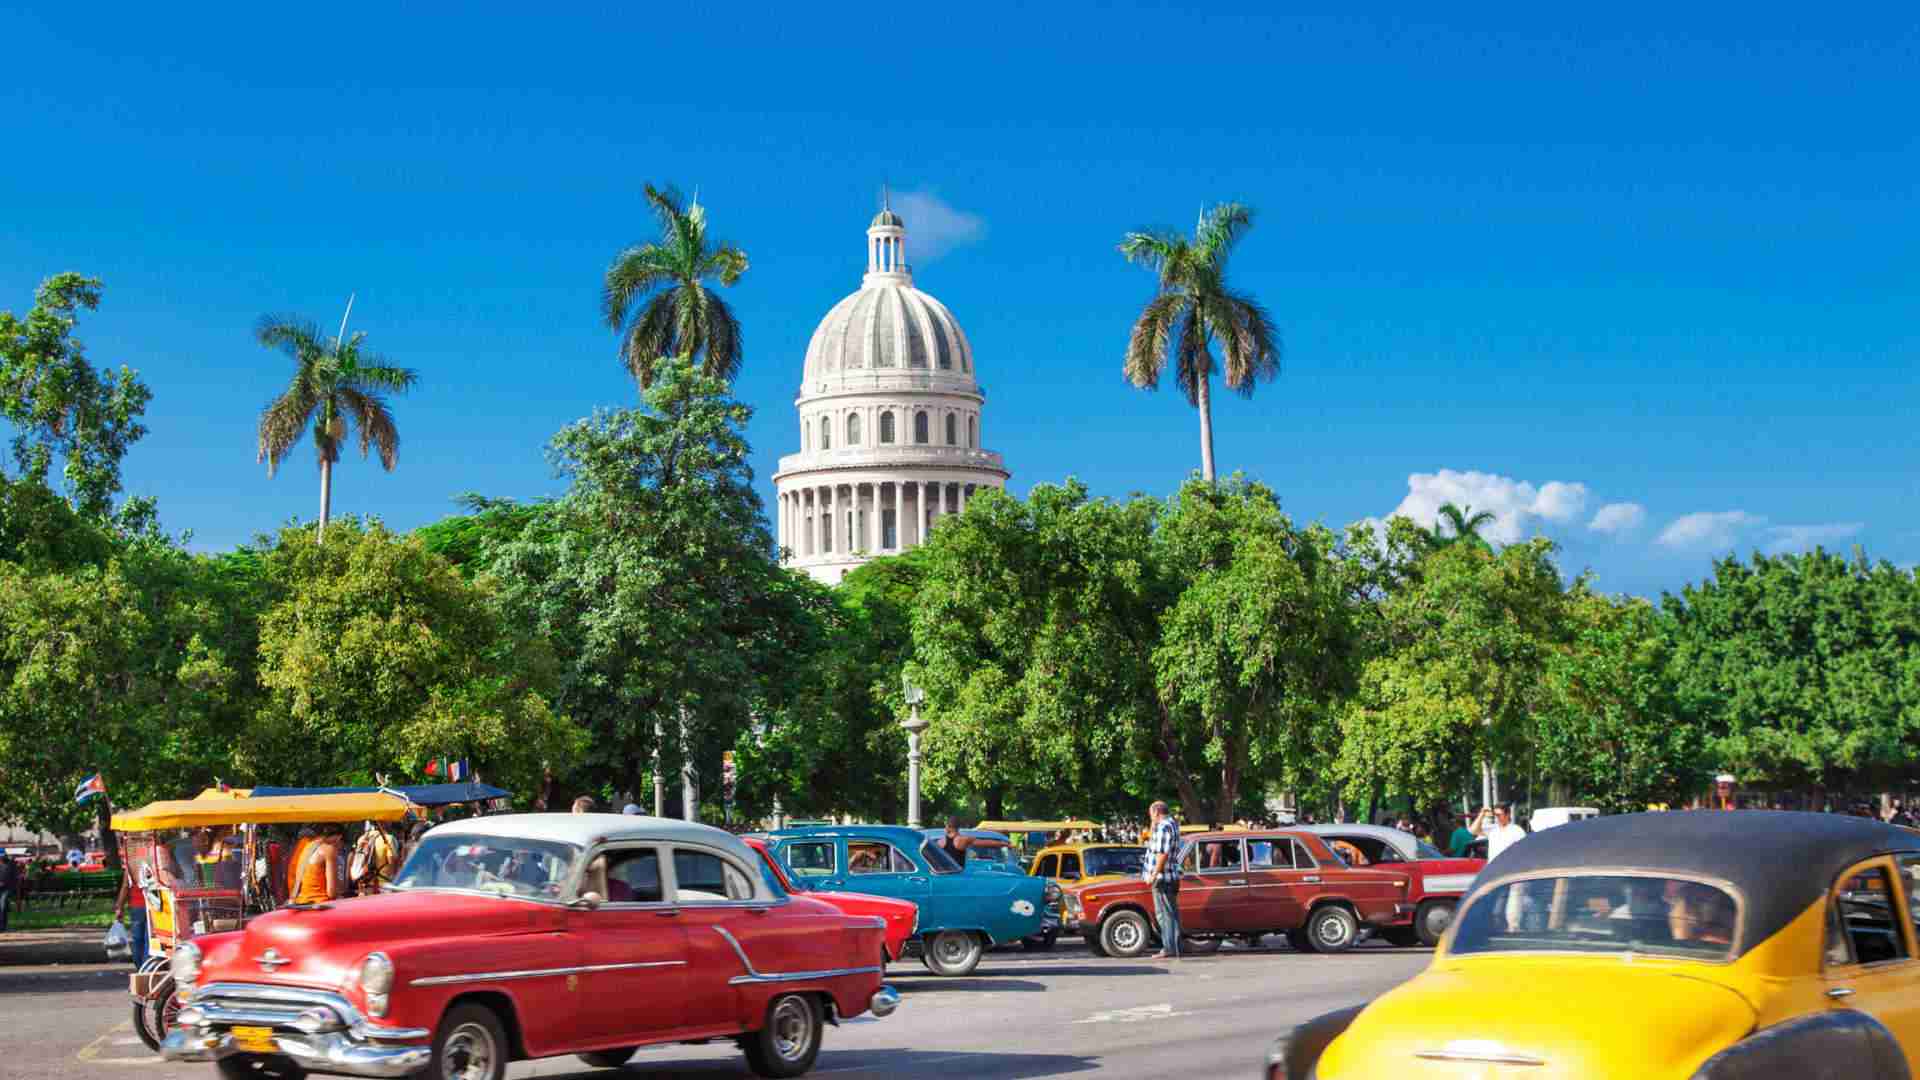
{"x":1078,"y":864}
{"x":1714,"y":945}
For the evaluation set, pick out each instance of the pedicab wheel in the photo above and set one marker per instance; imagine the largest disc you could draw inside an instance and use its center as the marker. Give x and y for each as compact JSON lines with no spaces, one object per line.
{"x":1332,"y":929}
{"x":1200,"y":946}
{"x":608,"y":1059}
{"x":155,"y":1015}
{"x":140,"y":1027}
{"x":952,"y":952}
{"x":790,"y":1039}
{"x":1432,"y":920}
{"x":470,"y":1045}
{"x":1039,"y":942}
{"x":1126,"y":934}
{"x":258,"y":1067}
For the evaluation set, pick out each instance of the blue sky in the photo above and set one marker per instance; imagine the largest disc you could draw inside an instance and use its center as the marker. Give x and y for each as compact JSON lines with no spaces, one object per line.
{"x":1547,"y":263}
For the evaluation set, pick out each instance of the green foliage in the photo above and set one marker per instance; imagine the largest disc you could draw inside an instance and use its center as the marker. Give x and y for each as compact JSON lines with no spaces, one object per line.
{"x":60,"y":406}
{"x":377,"y":656}
{"x":1805,"y":669}
{"x":655,"y":295}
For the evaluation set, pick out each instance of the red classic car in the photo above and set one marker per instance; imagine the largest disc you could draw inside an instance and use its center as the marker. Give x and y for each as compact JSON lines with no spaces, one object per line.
{"x":530,"y":936}
{"x":901,"y":916}
{"x":1435,"y":881}
{"x":1246,"y":885}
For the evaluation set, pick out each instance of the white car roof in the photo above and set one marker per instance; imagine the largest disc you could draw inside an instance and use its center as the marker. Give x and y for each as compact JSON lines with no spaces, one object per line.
{"x":1405,"y":843}
{"x":586,"y":830}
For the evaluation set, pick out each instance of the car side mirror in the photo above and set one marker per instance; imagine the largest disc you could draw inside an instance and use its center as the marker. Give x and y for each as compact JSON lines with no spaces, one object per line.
{"x":588,"y":900}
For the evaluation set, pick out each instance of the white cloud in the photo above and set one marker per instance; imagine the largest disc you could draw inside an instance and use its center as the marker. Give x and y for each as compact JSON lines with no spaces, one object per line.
{"x":1785,"y":538}
{"x":1517,"y":507}
{"x":1618,"y":518}
{"x":933,"y":226}
{"x":1708,"y":529}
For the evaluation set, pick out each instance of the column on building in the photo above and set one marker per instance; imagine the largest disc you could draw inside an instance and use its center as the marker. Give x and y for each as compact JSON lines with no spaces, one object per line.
{"x":873,"y":521}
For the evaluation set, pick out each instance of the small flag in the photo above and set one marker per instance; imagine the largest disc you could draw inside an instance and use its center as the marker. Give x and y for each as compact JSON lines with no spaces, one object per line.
{"x":90,"y":787}
{"x":458,"y":770}
{"x":433,"y":767}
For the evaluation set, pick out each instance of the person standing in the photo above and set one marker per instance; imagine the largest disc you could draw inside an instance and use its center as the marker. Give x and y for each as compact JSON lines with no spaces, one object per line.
{"x":585,"y":804}
{"x":132,"y":902}
{"x":1497,"y":825}
{"x":9,"y":884}
{"x":1162,"y":871}
{"x":1462,"y":837}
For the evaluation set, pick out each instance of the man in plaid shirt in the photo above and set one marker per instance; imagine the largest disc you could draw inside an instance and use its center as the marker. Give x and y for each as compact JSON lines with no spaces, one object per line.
{"x":1162,"y":871}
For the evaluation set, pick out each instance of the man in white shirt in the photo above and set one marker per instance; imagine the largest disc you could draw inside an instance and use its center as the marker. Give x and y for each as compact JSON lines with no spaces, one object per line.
{"x":1496,"y":824}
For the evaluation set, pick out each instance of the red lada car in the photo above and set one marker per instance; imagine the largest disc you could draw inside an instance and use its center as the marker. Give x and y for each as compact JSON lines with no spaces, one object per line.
{"x":1245,"y":885}
{"x":531,"y":936}
{"x":901,"y":916}
{"x":1435,"y":880}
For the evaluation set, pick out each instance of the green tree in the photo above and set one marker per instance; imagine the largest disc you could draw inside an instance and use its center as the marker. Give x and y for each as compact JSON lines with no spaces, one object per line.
{"x":1195,"y":308}
{"x":656,"y":299}
{"x":335,"y":384}
{"x":378,"y":656}
{"x":60,"y":406}
{"x":1805,"y":668}
{"x":1464,"y":523}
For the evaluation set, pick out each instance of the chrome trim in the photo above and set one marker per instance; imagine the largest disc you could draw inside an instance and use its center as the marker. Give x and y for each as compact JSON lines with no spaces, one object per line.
{"x":538,"y":973}
{"x":246,"y":997}
{"x":755,"y":976}
{"x":884,"y":1001}
{"x":334,"y":1052}
{"x":1493,"y":1057}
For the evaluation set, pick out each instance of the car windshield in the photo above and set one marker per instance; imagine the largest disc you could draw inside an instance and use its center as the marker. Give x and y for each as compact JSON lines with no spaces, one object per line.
{"x":793,"y":882}
{"x":937,"y":859}
{"x":508,"y":865}
{"x":1601,"y":913}
{"x":1428,"y":851}
{"x":993,"y":854}
{"x":1114,"y":860}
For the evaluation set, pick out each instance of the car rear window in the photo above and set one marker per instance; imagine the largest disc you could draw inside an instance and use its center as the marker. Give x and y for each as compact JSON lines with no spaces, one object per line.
{"x":1601,"y":913}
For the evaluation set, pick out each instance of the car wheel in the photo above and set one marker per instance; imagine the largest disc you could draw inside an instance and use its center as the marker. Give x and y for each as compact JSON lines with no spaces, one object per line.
{"x":470,"y":1045}
{"x":1298,"y":939}
{"x":1126,"y":934}
{"x":1332,"y":929}
{"x":1432,"y":920}
{"x":1405,"y":937}
{"x":1094,"y":946}
{"x":608,"y":1059}
{"x":1039,"y":942}
{"x":1200,"y":946}
{"x":789,"y":1040}
{"x":953,"y":952}
{"x":258,"y":1067}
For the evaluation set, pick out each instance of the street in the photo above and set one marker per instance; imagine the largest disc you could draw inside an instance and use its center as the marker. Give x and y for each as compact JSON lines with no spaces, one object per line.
{"x":1021,"y":1015}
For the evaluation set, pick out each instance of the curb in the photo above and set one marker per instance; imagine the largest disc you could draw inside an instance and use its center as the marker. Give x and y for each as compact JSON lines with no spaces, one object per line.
{"x":41,"y":947}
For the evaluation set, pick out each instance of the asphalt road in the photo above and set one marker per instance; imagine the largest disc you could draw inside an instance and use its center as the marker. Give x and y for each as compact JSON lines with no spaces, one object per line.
{"x":1021,"y":1015}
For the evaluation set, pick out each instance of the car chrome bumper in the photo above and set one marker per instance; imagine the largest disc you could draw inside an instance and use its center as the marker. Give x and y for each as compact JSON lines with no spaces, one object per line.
{"x":333,"y":1052}
{"x":885,"y":1000}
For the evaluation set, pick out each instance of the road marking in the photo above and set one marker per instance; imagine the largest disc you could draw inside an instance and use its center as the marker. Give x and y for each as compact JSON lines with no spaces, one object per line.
{"x":1134,"y":1015}
{"x":91,"y":1051}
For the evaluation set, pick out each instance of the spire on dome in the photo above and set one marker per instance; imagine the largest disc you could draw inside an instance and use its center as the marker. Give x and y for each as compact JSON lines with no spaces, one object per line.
{"x":887,"y":242}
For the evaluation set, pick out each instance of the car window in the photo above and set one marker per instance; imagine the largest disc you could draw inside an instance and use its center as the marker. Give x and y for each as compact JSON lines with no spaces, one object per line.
{"x":1115,"y":861}
{"x":780,"y":880}
{"x":702,"y":875}
{"x":1046,"y":867}
{"x":1424,"y":850}
{"x":1219,"y":855}
{"x":875,"y":857}
{"x":1910,"y":880}
{"x":1304,"y":859}
{"x":1865,"y":903}
{"x":499,"y":864}
{"x":811,"y":858}
{"x":937,"y":858}
{"x":632,"y":877}
{"x":1269,"y":854}
{"x":1601,"y":913}
{"x":1069,"y":866}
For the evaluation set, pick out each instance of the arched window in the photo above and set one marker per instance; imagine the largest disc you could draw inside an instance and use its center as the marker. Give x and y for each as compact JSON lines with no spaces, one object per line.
{"x":826,"y":433}
{"x":919,"y":427}
{"x":853,"y":429}
{"x":886,"y":426}
{"x":973,"y":434}
{"x":951,"y":437}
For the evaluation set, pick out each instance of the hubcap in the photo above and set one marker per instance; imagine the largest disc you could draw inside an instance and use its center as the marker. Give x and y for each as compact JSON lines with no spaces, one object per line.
{"x":469,"y":1054}
{"x":792,"y":1026}
{"x":1439,"y":918}
{"x":952,"y":948}
{"x":1333,"y":931}
{"x":1126,"y":934}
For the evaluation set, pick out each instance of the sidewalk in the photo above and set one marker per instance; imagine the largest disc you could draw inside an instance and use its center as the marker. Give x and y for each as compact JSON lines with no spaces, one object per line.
{"x":38,"y":947}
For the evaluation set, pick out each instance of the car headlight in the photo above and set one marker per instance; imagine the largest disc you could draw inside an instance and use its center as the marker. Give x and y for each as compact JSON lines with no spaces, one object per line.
{"x":186,"y":965}
{"x":376,"y":978}
{"x":1052,"y":893}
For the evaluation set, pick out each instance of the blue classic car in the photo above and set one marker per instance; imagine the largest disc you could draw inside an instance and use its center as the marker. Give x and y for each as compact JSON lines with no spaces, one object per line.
{"x":961,"y":914}
{"x":999,"y":856}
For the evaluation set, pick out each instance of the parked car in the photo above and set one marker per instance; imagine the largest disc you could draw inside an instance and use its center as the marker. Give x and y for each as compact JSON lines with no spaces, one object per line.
{"x":1086,"y":863}
{"x":1435,"y":881}
{"x":961,"y":914}
{"x":531,"y":936}
{"x":1548,"y":817}
{"x":1247,"y":884}
{"x":902,"y":917}
{"x":995,"y":851}
{"x":1705,"y":945}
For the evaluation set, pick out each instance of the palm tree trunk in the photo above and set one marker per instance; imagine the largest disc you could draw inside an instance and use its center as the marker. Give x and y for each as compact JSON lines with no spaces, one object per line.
{"x":1205,"y":405}
{"x":326,"y":495}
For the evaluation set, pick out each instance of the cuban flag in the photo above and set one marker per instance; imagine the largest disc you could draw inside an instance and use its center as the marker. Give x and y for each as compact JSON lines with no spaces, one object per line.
{"x":90,"y":787}
{"x":458,"y":771}
{"x":433,"y":767}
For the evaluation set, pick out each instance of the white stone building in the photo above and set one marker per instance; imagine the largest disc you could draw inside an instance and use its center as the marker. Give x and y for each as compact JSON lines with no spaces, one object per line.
{"x":889,"y":422}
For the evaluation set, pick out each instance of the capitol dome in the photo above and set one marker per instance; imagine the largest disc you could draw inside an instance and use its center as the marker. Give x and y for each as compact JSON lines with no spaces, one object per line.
{"x":889,"y":421}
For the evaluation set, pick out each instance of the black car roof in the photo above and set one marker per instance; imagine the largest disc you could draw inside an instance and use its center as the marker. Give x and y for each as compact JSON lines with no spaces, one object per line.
{"x":1780,"y":861}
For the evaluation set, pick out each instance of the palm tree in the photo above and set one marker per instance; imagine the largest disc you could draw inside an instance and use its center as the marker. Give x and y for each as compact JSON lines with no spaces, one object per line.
{"x":1196,"y":307}
{"x":660,"y":285}
{"x":335,"y":383}
{"x":1464,"y":522}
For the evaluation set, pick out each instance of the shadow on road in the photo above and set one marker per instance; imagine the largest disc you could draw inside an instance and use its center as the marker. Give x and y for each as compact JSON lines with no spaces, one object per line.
{"x":62,"y":981}
{"x":875,"y":1063}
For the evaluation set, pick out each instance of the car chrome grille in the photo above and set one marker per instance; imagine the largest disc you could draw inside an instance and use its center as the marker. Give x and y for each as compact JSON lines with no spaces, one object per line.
{"x":226,"y":1004}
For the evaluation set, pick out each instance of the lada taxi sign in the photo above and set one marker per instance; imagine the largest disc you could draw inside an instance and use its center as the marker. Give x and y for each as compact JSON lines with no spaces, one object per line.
{"x":530,"y":936}
{"x":1715,"y":945}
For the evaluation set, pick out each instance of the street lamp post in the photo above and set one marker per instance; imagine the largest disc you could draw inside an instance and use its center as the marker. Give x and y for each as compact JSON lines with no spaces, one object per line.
{"x":914,"y":725}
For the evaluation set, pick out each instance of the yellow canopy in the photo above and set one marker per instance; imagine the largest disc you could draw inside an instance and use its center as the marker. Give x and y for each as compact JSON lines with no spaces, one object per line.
{"x":1036,"y":826}
{"x":230,"y":793}
{"x":271,"y":810}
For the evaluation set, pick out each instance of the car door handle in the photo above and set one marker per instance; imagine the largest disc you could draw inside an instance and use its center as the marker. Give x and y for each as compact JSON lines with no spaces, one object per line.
{"x":1839,"y":992}
{"x":1237,"y":881}
{"x":917,"y":880}
{"x":673,"y":913}
{"x":1311,"y":878}
{"x":831,"y":883}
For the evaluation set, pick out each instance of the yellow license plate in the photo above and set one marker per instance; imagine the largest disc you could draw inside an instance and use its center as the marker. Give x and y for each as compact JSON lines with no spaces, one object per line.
{"x":254,"y":1040}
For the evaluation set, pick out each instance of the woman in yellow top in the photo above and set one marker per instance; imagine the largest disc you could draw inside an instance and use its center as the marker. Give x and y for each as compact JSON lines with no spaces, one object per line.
{"x":318,"y":873}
